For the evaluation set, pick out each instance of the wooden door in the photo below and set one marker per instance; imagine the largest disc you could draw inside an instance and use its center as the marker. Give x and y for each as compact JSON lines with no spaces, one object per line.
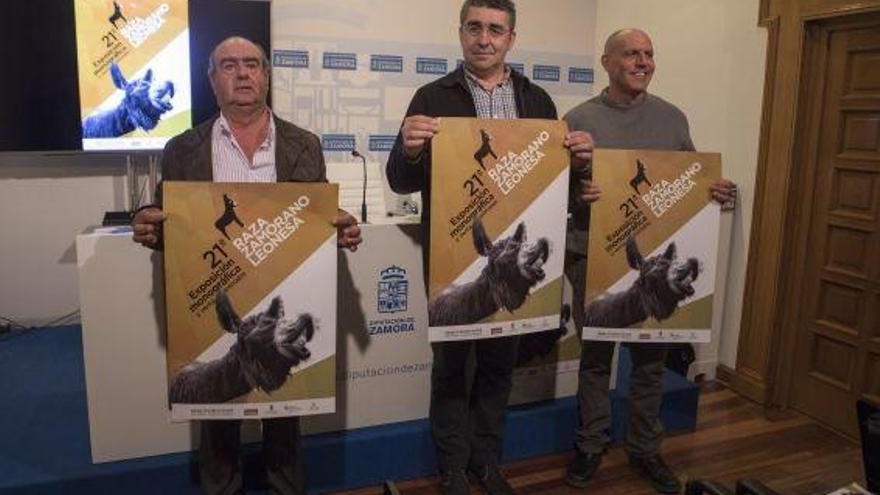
{"x":837,"y":307}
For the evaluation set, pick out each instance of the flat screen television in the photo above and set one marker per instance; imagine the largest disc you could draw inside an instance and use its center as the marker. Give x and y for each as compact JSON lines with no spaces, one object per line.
{"x":41,"y":97}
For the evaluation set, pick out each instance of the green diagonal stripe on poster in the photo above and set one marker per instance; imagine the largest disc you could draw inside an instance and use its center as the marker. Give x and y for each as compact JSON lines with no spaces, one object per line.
{"x":319,"y":380}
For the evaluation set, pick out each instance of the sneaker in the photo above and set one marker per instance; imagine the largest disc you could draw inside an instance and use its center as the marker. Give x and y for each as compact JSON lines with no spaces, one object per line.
{"x":661,"y":477}
{"x":454,"y":482}
{"x":582,"y":468}
{"x":491,"y":479}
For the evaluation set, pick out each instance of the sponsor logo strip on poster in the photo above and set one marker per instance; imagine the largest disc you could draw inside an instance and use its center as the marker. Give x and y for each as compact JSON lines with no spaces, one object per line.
{"x":653,"y":246}
{"x":498,"y":208}
{"x":250,"y":289}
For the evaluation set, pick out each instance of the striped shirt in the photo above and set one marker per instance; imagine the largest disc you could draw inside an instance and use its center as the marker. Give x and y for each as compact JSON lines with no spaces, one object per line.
{"x":498,"y":102}
{"x":229,"y":161}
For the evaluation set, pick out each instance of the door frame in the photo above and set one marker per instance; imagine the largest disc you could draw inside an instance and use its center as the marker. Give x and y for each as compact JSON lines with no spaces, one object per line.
{"x":800,"y":210}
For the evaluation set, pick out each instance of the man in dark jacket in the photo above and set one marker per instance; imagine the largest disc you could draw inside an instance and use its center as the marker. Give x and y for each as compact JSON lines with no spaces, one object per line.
{"x":468,"y":428}
{"x":244,"y":143}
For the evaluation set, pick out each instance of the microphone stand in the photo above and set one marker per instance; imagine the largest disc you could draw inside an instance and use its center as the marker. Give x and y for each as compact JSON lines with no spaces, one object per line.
{"x":356,"y":154}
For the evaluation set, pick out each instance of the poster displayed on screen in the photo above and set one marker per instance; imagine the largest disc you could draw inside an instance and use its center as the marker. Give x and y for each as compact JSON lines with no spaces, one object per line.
{"x":134,"y":72}
{"x":653,"y":247}
{"x":250,"y":295}
{"x":499,"y":194}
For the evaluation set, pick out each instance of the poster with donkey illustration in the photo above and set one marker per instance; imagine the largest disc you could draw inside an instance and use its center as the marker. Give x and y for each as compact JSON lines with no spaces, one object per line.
{"x":653,"y":245}
{"x":133,"y":72}
{"x":250,"y":294}
{"x":498,"y":206}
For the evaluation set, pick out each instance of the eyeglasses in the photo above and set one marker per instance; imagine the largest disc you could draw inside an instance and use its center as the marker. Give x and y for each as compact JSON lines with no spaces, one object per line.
{"x":231,"y":66}
{"x":475,"y":29}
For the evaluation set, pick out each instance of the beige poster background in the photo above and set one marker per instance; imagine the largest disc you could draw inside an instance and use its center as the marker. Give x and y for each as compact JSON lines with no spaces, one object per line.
{"x":512,"y":176}
{"x":278,"y":243}
{"x":661,"y":199}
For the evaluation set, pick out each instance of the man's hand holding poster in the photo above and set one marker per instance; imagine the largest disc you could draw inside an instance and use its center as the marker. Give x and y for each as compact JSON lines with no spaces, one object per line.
{"x":653,"y":247}
{"x":499,"y":195}
{"x":250,"y":290}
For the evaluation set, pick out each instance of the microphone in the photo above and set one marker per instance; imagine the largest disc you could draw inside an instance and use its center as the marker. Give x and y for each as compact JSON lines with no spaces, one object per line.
{"x":356,"y":154}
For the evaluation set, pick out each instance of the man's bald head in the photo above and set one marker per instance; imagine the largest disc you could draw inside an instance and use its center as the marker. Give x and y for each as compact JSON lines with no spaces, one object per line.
{"x":239,"y":75}
{"x":234,"y":40}
{"x":616,"y":40}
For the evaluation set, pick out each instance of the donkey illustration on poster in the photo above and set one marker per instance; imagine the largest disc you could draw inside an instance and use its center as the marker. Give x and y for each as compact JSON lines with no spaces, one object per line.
{"x":485,"y":149}
{"x":143,"y":105}
{"x":228,"y":216}
{"x":513,"y":267}
{"x":663,"y":282}
{"x":267,"y":346}
{"x":661,"y":285}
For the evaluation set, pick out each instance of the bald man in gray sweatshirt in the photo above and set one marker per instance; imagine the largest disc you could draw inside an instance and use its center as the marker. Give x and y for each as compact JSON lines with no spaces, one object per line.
{"x":623,"y":116}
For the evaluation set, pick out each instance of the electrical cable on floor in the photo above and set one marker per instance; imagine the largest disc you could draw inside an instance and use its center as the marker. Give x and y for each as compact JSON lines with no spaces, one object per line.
{"x":63,"y":319}
{"x":11,"y":328}
{"x":8,"y":324}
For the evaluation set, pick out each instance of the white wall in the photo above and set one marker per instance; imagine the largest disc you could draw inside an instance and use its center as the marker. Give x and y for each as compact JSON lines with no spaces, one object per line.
{"x":710,"y":62}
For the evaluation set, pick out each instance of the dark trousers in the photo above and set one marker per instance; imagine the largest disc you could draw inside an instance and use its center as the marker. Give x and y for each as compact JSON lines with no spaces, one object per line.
{"x":644,"y":431}
{"x":220,"y":457}
{"x":467,"y":423}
